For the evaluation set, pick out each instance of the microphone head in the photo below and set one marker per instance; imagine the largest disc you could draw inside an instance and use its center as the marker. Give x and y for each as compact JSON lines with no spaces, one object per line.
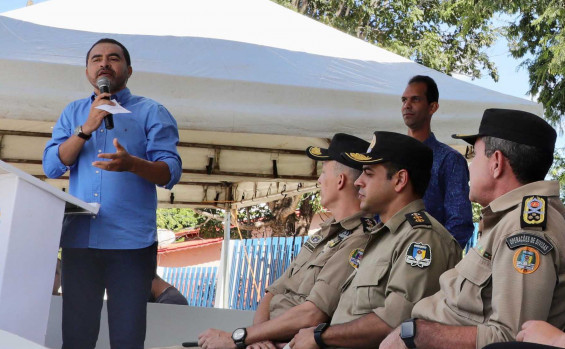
{"x":103,"y":84}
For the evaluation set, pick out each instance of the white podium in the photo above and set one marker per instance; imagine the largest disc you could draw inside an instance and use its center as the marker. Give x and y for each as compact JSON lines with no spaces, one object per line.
{"x":31,"y":217}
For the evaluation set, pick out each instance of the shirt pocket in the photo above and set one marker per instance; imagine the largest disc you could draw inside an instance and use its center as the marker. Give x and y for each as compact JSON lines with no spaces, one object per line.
{"x":300,"y":261}
{"x":311,"y":271}
{"x":474,"y":277}
{"x":318,"y":263}
{"x":370,"y":289}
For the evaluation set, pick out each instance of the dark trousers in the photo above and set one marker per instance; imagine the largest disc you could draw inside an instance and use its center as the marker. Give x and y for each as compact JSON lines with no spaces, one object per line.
{"x":126,"y":276}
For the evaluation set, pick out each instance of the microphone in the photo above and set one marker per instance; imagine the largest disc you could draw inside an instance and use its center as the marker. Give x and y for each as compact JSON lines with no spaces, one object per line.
{"x":104,"y":87}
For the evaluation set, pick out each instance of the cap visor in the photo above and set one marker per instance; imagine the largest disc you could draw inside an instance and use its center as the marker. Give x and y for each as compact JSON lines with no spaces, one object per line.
{"x":471,"y":139}
{"x":316,"y":153}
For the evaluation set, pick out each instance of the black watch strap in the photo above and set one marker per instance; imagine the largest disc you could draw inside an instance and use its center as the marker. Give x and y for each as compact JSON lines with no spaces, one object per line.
{"x":79,"y":133}
{"x":238,"y":337}
{"x":408,"y":333}
{"x":318,"y":334}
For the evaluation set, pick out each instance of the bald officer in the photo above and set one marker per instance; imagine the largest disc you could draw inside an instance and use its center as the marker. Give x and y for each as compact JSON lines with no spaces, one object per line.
{"x":517,"y":270}
{"x":407,"y":252}
{"x":309,"y":291}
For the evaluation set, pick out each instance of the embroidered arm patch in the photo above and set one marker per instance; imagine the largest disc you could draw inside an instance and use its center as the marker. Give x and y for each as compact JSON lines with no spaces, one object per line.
{"x":419,"y":254}
{"x":534,"y":212}
{"x":355,"y":257}
{"x":526,"y":260}
{"x":529,"y":240}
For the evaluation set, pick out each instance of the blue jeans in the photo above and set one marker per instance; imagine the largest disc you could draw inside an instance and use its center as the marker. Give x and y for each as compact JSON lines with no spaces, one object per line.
{"x":126,"y":276}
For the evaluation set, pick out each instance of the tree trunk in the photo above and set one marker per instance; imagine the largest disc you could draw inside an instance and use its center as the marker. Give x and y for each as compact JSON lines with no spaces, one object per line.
{"x":305,"y":217}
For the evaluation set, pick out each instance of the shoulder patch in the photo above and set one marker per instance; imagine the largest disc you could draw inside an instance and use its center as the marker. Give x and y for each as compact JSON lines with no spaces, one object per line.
{"x":368,"y":224}
{"x":312,"y":242}
{"x":355,"y":257}
{"x":417,"y":219}
{"x":419,"y":254}
{"x":530,"y":240}
{"x":526,"y":260}
{"x":534,"y":212}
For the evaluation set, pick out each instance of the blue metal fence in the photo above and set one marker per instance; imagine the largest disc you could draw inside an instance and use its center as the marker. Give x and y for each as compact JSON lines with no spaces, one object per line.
{"x":197,"y":284}
{"x":255,"y":264}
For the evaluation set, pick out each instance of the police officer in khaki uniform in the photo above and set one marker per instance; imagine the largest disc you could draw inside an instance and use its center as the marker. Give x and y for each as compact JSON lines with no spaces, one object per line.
{"x":308,"y":292}
{"x":517,"y":270}
{"x":407,"y":252}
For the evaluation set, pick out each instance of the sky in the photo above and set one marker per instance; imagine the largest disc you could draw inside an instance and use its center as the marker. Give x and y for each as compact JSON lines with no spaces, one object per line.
{"x":512,"y":79}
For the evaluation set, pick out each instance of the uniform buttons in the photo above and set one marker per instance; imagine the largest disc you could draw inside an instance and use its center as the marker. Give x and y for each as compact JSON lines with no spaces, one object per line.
{"x":102,"y":130}
{"x":93,"y":217}
{"x":97,"y":171}
{"x":95,"y":194}
{"x":99,"y":150}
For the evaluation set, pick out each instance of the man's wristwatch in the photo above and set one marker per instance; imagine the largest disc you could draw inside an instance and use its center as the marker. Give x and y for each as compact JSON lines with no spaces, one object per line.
{"x":408,"y":332}
{"x":318,"y":334}
{"x":79,"y":133}
{"x":238,"y":337}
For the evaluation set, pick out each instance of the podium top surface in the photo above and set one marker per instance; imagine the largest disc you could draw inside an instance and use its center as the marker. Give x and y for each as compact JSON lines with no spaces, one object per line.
{"x":72,"y":204}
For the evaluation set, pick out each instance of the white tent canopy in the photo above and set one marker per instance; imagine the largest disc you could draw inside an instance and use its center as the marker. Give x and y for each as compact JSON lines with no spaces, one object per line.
{"x":250,"y":83}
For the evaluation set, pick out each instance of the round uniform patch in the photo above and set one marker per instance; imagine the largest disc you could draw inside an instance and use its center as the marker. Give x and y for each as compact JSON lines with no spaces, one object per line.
{"x":355,"y":257}
{"x":526,"y":260}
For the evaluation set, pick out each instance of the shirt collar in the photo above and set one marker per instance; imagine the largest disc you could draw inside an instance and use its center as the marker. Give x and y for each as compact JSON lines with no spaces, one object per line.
{"x":348,"y":223}
{"x":122,"y":96}
{"x":514,"y":197}
{"x":430,"y":140}
{"x":399,"y":217}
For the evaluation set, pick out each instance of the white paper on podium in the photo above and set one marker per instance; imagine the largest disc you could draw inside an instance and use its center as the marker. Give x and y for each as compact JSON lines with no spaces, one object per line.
{"x":114,"y":109}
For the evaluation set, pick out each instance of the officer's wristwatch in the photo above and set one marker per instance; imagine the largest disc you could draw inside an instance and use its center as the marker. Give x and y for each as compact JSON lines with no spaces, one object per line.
{"x":318,"y":334}
{"x":408,"y":332}
{"x":238,"y":337}
{"x":79,"y":133}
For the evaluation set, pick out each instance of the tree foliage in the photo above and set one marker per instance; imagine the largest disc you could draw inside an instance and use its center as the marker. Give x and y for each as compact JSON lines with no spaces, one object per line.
{"x":438,"y":34}
{"x":536,"y":35}
{"x":452,"y":36}
{"x":557,"y":170}
{"x":285,"y":217}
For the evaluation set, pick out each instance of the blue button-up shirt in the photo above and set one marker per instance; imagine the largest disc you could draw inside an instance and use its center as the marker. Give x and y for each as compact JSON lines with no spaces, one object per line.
{"x":447,"y":196}
{"x":128,"y":203}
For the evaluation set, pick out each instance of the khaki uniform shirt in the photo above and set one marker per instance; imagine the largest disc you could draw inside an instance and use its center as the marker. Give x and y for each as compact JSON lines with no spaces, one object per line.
{"x":514,"y":274}
{"x":321,"y":267}
{"x":401,"y":265}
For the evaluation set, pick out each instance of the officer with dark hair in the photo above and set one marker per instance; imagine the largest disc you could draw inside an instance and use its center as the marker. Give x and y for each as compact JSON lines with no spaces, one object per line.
{"x":407,"y":251}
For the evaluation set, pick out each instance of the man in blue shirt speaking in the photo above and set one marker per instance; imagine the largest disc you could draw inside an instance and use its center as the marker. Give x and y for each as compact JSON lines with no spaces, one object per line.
{"x":447,"y":196}
{"x":118,"y":168}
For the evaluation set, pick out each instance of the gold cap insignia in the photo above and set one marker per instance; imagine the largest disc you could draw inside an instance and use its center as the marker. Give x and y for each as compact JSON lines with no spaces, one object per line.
{"x":315,"y":151}
{"x":359,"y":157}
